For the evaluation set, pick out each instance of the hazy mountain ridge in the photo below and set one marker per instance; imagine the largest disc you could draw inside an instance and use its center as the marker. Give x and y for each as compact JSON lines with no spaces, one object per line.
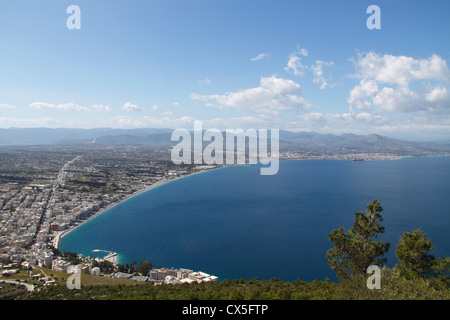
{"x":352,"y":142}
{"x":289,"y":141}
{"x":38,"y":136}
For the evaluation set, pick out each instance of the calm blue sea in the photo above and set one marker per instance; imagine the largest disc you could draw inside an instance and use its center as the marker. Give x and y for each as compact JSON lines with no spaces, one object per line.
{"x":234,"y":223}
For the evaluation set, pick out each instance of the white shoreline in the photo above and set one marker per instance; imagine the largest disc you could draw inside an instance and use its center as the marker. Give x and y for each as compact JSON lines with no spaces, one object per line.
{"x":61,"y":234}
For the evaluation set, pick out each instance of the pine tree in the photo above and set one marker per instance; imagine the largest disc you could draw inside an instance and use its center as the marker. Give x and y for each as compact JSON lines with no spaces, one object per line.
{"x":413,"y":255}
{"x":354,"y":251}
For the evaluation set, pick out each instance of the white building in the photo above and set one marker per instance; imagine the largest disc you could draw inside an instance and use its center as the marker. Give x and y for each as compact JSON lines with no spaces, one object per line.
{"x":73,"y":269}
{"x":45,"y":261}
{"x":60,"y":265}
{"x":95,"y":271}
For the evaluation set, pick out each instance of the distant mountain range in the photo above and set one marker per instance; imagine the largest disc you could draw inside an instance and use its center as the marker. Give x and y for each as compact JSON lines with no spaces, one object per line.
{"x":63,"y":136}
{"x":289,"y":141}
{"x":348,"y":142}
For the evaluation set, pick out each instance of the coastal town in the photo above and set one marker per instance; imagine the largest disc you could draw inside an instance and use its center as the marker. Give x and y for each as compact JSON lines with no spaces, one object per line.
{"x":46,"y":194}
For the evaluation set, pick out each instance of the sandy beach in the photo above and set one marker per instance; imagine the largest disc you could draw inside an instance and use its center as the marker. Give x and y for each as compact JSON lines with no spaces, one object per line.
{"x":60,"y":234}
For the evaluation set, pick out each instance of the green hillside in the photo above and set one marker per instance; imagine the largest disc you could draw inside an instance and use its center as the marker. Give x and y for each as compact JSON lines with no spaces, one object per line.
{"x":394,"y":287}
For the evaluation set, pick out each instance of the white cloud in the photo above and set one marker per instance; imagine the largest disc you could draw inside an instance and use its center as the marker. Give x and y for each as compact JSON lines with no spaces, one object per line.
{"x":401,"y":99}
{"x":204,"y":81}
{"x":130,"y":107}
{"x":176,"y":104}
{"x":260,"y":57}
{"x":386,"y":82}
{"x":69,"y":107}
{"x":100,"y":107}
{"x":359,"y":94}
{"x":365,"y":123}
{"x":273,"y":94}
{"x":400,"y":70}
{"x":125,"y":122}
{"x":8,"y":122}
{"x":317,"y":70}
{"x":437,"y":94}
{"x":294,"y":65}
{"x":6,"y":106}
{"x":303,"y":52}
{"x":64,"y":107}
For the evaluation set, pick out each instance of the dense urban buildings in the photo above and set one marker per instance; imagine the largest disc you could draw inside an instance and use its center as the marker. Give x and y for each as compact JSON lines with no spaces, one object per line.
{"x":47,"y":191}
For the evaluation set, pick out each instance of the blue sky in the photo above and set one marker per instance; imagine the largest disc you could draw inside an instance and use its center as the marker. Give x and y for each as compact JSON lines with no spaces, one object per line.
{"x":300,"y":65}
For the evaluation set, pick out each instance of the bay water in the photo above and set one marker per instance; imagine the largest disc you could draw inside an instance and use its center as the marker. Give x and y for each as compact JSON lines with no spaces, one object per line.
{"x":234,"y":223}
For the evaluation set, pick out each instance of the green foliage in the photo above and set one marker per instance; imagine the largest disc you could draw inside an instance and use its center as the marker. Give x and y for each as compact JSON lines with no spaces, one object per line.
{"x":72,"y":257}
{"x":144,"y":267}
{"x":441,"y":266}
{"x":412,"y":253}
{"x":355,"y":251}
{"x":418,"y":276}
{"x":11,"y":291}
{"x":105,"y":266}
{"x":56,"y":252}
{"x":394,"y":286}
{"x":254,"y":289}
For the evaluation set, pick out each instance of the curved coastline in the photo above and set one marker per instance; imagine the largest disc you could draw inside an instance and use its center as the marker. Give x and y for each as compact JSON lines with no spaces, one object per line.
{"x":313,"y":221}
{"x":60,"y":234}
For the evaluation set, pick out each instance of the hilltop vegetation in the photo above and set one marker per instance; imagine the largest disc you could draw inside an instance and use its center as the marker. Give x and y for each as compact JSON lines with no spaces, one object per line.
{"x":394,"y":286}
